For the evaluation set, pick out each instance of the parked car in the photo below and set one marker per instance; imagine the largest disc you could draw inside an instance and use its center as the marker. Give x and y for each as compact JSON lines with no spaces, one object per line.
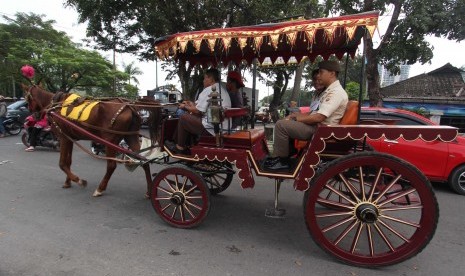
{"x":439,"y":161}
{"x":18,"y":108}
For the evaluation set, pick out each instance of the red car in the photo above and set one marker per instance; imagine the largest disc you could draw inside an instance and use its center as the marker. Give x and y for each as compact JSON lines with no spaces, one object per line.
{"x":439,"y":161}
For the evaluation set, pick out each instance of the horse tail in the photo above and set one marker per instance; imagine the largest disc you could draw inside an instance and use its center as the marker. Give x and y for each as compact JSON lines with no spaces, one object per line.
{"x":154,"y":122}
{"x":155,"y":117}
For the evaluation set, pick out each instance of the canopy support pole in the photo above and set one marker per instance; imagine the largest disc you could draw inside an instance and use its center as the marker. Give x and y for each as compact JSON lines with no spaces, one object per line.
{"x":254,"y":85}
{"x":362,"y":78}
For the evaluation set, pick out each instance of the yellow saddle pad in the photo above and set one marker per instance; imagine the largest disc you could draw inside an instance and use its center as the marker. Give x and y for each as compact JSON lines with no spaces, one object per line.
{"x":80,"y":112}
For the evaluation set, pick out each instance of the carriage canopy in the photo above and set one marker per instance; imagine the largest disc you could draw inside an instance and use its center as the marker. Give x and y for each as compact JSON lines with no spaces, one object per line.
{"x":292,"y":39}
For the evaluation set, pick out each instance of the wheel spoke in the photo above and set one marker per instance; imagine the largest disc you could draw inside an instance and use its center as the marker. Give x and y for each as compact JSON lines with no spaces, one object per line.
{"x":184,"y":183}
{"x":370,"y":240}
{"x":334,"y":204}
{"x":416,"y":225}
{"x":190,"y":190}
{"x":176,"y":183}
{"x":346,"y":231}
{"x":334,"y":183}
{"x":334,"y":214}
{"x":393,"y":230}
{"x":362,"y":183}
{"x":162,"y":198}
{"x":409,"y":191}
{"x":387,"y":188}
{"x":181,"y":212}
{"x":164,"y":190}
{"x":383,"y":236}
{"x":341,"y":194}
{"x":174,"y":212}
{"x":193,"y":205}
{"x":375,"y":183}
{"x":337,"y":224}
{"x":166,"y":207}
{"x":401,"y":208}
{"x":357,"y":237}
{"x":167,"y":181}
{"x":194,"y":197}
{"x":213,"y":179}
{"x":349,"y":187}
{"x":188,"y":210}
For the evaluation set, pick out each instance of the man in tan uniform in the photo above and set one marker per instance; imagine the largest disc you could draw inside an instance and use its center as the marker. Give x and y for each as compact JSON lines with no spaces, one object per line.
{"x":331,"y":108}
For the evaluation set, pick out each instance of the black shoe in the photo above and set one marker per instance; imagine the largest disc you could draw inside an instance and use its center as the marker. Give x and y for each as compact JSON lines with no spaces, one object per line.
{"x":173,"y":149}
{"x":281,"y":164}
{"x":270,"y":161}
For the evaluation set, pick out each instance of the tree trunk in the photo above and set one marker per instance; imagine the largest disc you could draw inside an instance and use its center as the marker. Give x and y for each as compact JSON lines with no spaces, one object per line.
{"x":297,"y":81}
{"x":279,"y":88}
{"x":183,"y":78}
{"x":372,"y":74}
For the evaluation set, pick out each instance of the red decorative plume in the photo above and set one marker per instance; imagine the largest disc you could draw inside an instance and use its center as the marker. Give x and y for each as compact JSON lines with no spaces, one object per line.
{"x":28,"y":71}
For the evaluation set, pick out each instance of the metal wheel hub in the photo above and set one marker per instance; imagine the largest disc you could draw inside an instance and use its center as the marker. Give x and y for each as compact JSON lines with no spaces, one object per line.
{"x":462,"y":180}
{"x":367,"y":213}
{"x":177,"y":198}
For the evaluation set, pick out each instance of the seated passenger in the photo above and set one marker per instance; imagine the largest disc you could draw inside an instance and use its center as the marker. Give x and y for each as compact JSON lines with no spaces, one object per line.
{"x":233,"y":84}
{"x":194,"y":121}
{"x":332,"y":105}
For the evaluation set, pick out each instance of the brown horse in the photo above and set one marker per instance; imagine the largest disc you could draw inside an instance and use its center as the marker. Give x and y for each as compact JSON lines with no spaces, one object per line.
{"x":111,"y":120}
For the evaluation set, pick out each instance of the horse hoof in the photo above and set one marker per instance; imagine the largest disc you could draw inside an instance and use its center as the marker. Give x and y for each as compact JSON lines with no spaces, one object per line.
{"x":66,"y":186}
{"x":97,"y":193}
{"x":82,"y":183}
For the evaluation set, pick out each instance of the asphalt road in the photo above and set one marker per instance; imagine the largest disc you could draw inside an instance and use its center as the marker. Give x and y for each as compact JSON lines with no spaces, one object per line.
{"x":47,"y":230}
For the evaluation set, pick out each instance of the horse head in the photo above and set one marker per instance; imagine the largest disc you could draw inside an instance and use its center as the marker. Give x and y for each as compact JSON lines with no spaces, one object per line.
{"x":37,"y":98}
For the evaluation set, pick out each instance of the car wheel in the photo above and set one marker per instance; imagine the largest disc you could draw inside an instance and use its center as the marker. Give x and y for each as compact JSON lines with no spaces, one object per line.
{"x":457,"y":180}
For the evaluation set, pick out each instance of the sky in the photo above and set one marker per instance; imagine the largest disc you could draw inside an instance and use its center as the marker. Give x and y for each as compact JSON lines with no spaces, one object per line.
{"x":67,"y":21}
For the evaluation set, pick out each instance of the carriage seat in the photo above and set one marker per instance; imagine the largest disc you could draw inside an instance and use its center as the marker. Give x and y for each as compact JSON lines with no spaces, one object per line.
{"x":236,"y":112}
{"x":349,"y":118}
{"x":232,"y":113}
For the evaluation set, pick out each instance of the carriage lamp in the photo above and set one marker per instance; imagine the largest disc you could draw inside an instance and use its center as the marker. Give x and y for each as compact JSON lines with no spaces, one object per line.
{"x":214,"y":114}
{"x":214,"y":108}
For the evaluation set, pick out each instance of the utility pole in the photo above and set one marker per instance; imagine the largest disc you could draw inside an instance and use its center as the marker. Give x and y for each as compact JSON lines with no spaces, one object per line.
{"x":114,"y":69}
{"x":13,"y":86}
{"x":156,"y":73}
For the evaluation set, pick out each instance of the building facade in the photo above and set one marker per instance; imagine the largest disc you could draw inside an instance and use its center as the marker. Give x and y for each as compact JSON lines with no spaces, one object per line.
{"x":439,"y":93}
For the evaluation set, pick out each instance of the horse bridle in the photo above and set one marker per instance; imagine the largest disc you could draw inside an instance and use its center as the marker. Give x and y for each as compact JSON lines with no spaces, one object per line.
{"x":29,"y":98}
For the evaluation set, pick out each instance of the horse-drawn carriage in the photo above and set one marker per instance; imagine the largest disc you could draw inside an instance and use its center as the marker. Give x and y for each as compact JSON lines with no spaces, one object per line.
{"x":363,"y":207}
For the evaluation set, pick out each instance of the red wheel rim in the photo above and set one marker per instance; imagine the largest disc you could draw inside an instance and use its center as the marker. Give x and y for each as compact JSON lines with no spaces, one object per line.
{"x":180,"y":197}
{"x":371,"y":227}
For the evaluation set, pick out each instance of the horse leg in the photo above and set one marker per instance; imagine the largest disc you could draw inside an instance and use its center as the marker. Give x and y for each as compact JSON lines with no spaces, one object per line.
{"x":134,"y":145}
{"x":148,"y":178}
{"x":111,"y":166}
{"x":66,"y":152}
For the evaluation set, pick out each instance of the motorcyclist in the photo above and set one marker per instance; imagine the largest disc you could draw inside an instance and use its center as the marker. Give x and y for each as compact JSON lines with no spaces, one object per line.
{"x":34,"y":125}
{"x":3,"y":111}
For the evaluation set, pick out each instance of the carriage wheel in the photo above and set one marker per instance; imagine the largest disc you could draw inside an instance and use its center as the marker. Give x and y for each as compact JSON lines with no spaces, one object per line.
{"x":218,"y":176}
{"x":180,"y":196}
{"x":385,"y":213}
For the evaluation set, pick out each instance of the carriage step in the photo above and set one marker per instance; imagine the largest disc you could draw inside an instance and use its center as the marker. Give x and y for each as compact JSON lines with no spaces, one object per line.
{"x":275,"y":213}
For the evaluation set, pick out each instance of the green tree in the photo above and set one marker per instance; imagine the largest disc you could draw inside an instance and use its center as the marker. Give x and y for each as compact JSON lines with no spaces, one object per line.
{"x":404,"y":40}
{"x":132,"y":71}
{"x":60,"y":64}
{"x":131,"y":26}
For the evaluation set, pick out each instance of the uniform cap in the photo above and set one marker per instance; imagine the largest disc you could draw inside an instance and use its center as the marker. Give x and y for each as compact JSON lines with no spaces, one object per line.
{"x":233,"y":75}
{"x":330,"y":65}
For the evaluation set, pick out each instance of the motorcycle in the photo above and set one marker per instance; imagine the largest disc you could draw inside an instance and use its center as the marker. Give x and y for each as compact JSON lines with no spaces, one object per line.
{"x":97,"y":148}
{"x":46,"y":138}
{"x":12,"y":125}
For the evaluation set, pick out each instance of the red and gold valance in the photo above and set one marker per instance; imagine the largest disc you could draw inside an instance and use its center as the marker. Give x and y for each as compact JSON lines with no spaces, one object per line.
{"x":301,"y":38}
